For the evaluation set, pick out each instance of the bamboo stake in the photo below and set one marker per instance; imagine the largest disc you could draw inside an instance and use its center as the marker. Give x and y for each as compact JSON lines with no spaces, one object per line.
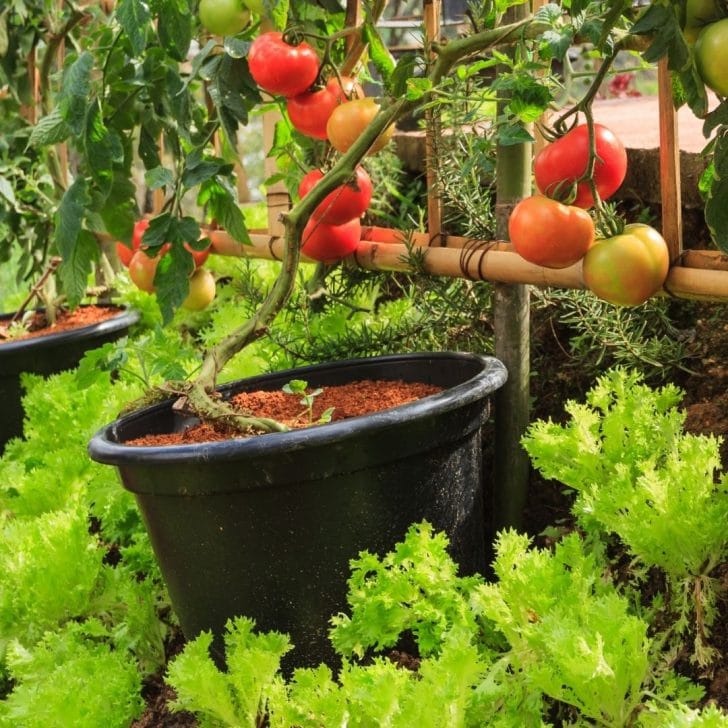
{"x":669,"y":164}
{"x":432,"y":11}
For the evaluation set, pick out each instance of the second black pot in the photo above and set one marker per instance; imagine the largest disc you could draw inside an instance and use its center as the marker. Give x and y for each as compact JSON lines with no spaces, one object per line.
{"x":266,"y":526}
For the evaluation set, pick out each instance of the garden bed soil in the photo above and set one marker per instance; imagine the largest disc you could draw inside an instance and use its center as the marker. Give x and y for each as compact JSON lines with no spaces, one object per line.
{"x":65,"y":321}
{"x":347,"y":400}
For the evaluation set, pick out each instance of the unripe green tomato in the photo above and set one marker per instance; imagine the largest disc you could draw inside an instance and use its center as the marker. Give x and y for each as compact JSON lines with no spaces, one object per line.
{"x":256,"y":6}
{"x":698,"y":14}
{"x":223,"y":17}
{"x":628,"y":268}
{"x":711,"y":56}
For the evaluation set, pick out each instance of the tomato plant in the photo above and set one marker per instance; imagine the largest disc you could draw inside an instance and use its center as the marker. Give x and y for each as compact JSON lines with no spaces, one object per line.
{"x":202,"y":290}
{"x":309,"y":112}
{"x":345,"y":203}
{"x":548,"y":233}
{"x":280,"y":68}
{"x":223,"y":17}
{"x":711,"y":56}
{"x":124,"y":252}
{"x":562,"y":163}
{"x":628,"y":268}
{"x":348,"y":121}
{"x":330,"y":243}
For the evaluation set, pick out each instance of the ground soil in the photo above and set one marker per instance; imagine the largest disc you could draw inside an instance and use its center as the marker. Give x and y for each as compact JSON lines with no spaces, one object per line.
{"x":65,"y":321}
{"x":347,"y":400}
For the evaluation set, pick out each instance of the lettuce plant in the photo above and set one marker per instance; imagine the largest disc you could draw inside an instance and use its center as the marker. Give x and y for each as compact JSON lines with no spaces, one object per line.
{"x":639,"y":476}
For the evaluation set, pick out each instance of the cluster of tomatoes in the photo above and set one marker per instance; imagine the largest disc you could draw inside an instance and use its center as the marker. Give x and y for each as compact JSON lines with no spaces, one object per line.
{"x":625,"y":269}
{"x":335,"y":110}
{"x":142,"y":269}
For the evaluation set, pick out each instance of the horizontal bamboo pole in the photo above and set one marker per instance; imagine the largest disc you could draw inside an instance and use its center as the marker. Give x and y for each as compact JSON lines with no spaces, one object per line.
{"x":490,"y":261}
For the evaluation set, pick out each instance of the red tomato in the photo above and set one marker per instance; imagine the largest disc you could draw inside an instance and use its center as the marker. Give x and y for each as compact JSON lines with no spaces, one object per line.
{"x":349,"y":120}
{"x":628,"y":268}
{"x":550,"y":234}
{"x":344,"y":203}
{"x":309,"y":112}
{"x":124,"y":252}
{"x":199,"y":256}
{"x":142,"y":270}
{"x":560,"y":164}
{"x":282,"y":69}
{"x":329,"y":243}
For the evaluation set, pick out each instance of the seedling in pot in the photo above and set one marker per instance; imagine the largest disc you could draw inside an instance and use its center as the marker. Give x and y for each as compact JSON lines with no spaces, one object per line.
{"x":299,"y":387}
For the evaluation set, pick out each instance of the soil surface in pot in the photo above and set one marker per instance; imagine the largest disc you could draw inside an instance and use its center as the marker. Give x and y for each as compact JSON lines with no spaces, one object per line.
{"x":347,"y":400}
{"x":65,"y":321}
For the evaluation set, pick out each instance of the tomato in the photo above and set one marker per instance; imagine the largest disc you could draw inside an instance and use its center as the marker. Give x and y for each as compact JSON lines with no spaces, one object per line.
{"x":548,"y":233}
{"x":124,"y":252}
{"x":560,"y":164}
{"x":142,"y":270}
{"x":202,"y":290}
{"x":223,"y":17}
{"x":698,"y":14}
{"x":256,"y":6}
{"x":711,"y":56}
{"x":628,"y":268}
{"x":309,"y":112}
{"x":329,"y":243}
{"x":280,"y":68}
{"x":344,"y":203}
{"x":349,"y":120}
{"x":199,"y":256}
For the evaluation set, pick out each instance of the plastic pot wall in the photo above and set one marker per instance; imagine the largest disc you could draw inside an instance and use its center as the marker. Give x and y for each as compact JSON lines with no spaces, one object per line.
{"x":47,"y":355}
{"x":266,"y":526}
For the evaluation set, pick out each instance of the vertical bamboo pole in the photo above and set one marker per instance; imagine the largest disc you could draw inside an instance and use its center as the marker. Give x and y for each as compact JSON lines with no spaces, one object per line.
{"x":63,"y":147}
{"x":432,"y":12}
{"x":669,"y":164}
{"x":512,"y":323}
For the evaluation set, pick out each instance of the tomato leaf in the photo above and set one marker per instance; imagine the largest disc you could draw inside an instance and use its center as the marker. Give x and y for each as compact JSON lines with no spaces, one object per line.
{"x":172,"y":277}
{"x":279,"y":12}
{"x":223,"y":207}
{"x":159,"y":177}
{"x":716,"y":118}
{"x":119,"y":211}
{"x":77,"y":266}
{"x":51,"y":129}
{"x":75,"y":91}
{"x":380,"y":55}
{"x":158,"y":232}
{"x":174,"y":26}
{"x":716,"y":211}
{"x":510,"y":134}
{"x":134,"y":17}
{"x":100,"y":150}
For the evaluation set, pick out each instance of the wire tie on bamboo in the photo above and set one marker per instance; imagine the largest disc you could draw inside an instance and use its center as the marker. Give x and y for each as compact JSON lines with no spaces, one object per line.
{"x":469,"y":250}
{"x":271,"y":242}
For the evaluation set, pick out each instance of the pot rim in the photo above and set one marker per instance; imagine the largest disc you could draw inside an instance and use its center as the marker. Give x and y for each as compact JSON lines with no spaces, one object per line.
{"x":105,"y":448}
{"x":124,"y":319}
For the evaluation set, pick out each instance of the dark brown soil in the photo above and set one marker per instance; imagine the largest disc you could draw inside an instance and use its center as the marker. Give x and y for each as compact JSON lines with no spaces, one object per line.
{"x":348,"y":400}
{"x":65,"y":321}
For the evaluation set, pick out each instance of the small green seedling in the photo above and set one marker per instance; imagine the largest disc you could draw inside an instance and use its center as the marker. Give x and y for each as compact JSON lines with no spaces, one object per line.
{"x":299,"y":386}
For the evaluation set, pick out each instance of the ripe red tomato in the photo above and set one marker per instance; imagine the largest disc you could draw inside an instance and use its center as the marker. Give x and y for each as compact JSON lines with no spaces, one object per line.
{"x":349,"y":120}
{"x":142,"y":270}
{"x":202,"y":290}
{"x":199,"y":256}
{"x":282,"y":69}
{"x":223,"y":17}
{"x":309,"y":112}
{"x":550,"y":234}
{"x":344,"y":203}
{"x":329,"y":243}
{"x":711,"y":56}
{"x":628,"y":268}
{"x":560,"y":164}
{"x":124,"y":252}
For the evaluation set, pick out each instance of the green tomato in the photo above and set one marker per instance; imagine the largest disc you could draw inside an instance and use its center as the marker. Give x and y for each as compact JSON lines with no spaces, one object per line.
{"x":711,"y":56}
{"x":223,"y":17}
{"x":256,"y":6}
{"x":698,"y":14}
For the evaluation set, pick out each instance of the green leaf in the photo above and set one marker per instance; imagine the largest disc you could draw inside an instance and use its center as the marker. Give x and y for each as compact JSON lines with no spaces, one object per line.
{"x":511,"y":134}
{"x":159,"y":177}
{"x":716,"y":210}
{"x":717,"y":117}
{"x":69,"y":217}
{"x":380,"y":55}
{"x":174,"y":26}
{"x":172,"y":278}
{"x":204,"y":170}
{"x":99,"y":149}
{"x":159,"y":231}
{"x":403,"y":72}
{"x":51,"y":129}
{"x":234,"y":94}
{"x":134,"y":17}
{"x":6,"y":190}
{"x":223,"y":208}
{"x":236,"y":47}
{"x":119,"y":211}
{"x":4,"y":41}
{"x":555,"y":43}
{"x":148,"y":148}
{"x":75,"y":92}
{"x":279,"y":14}
{"x":77,"y":266}
{"x":417,"y":88}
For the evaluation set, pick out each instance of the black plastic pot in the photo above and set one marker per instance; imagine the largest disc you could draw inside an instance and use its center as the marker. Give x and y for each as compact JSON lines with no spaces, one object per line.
{"x":48,"y":354}
{"x":265,"y":526}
